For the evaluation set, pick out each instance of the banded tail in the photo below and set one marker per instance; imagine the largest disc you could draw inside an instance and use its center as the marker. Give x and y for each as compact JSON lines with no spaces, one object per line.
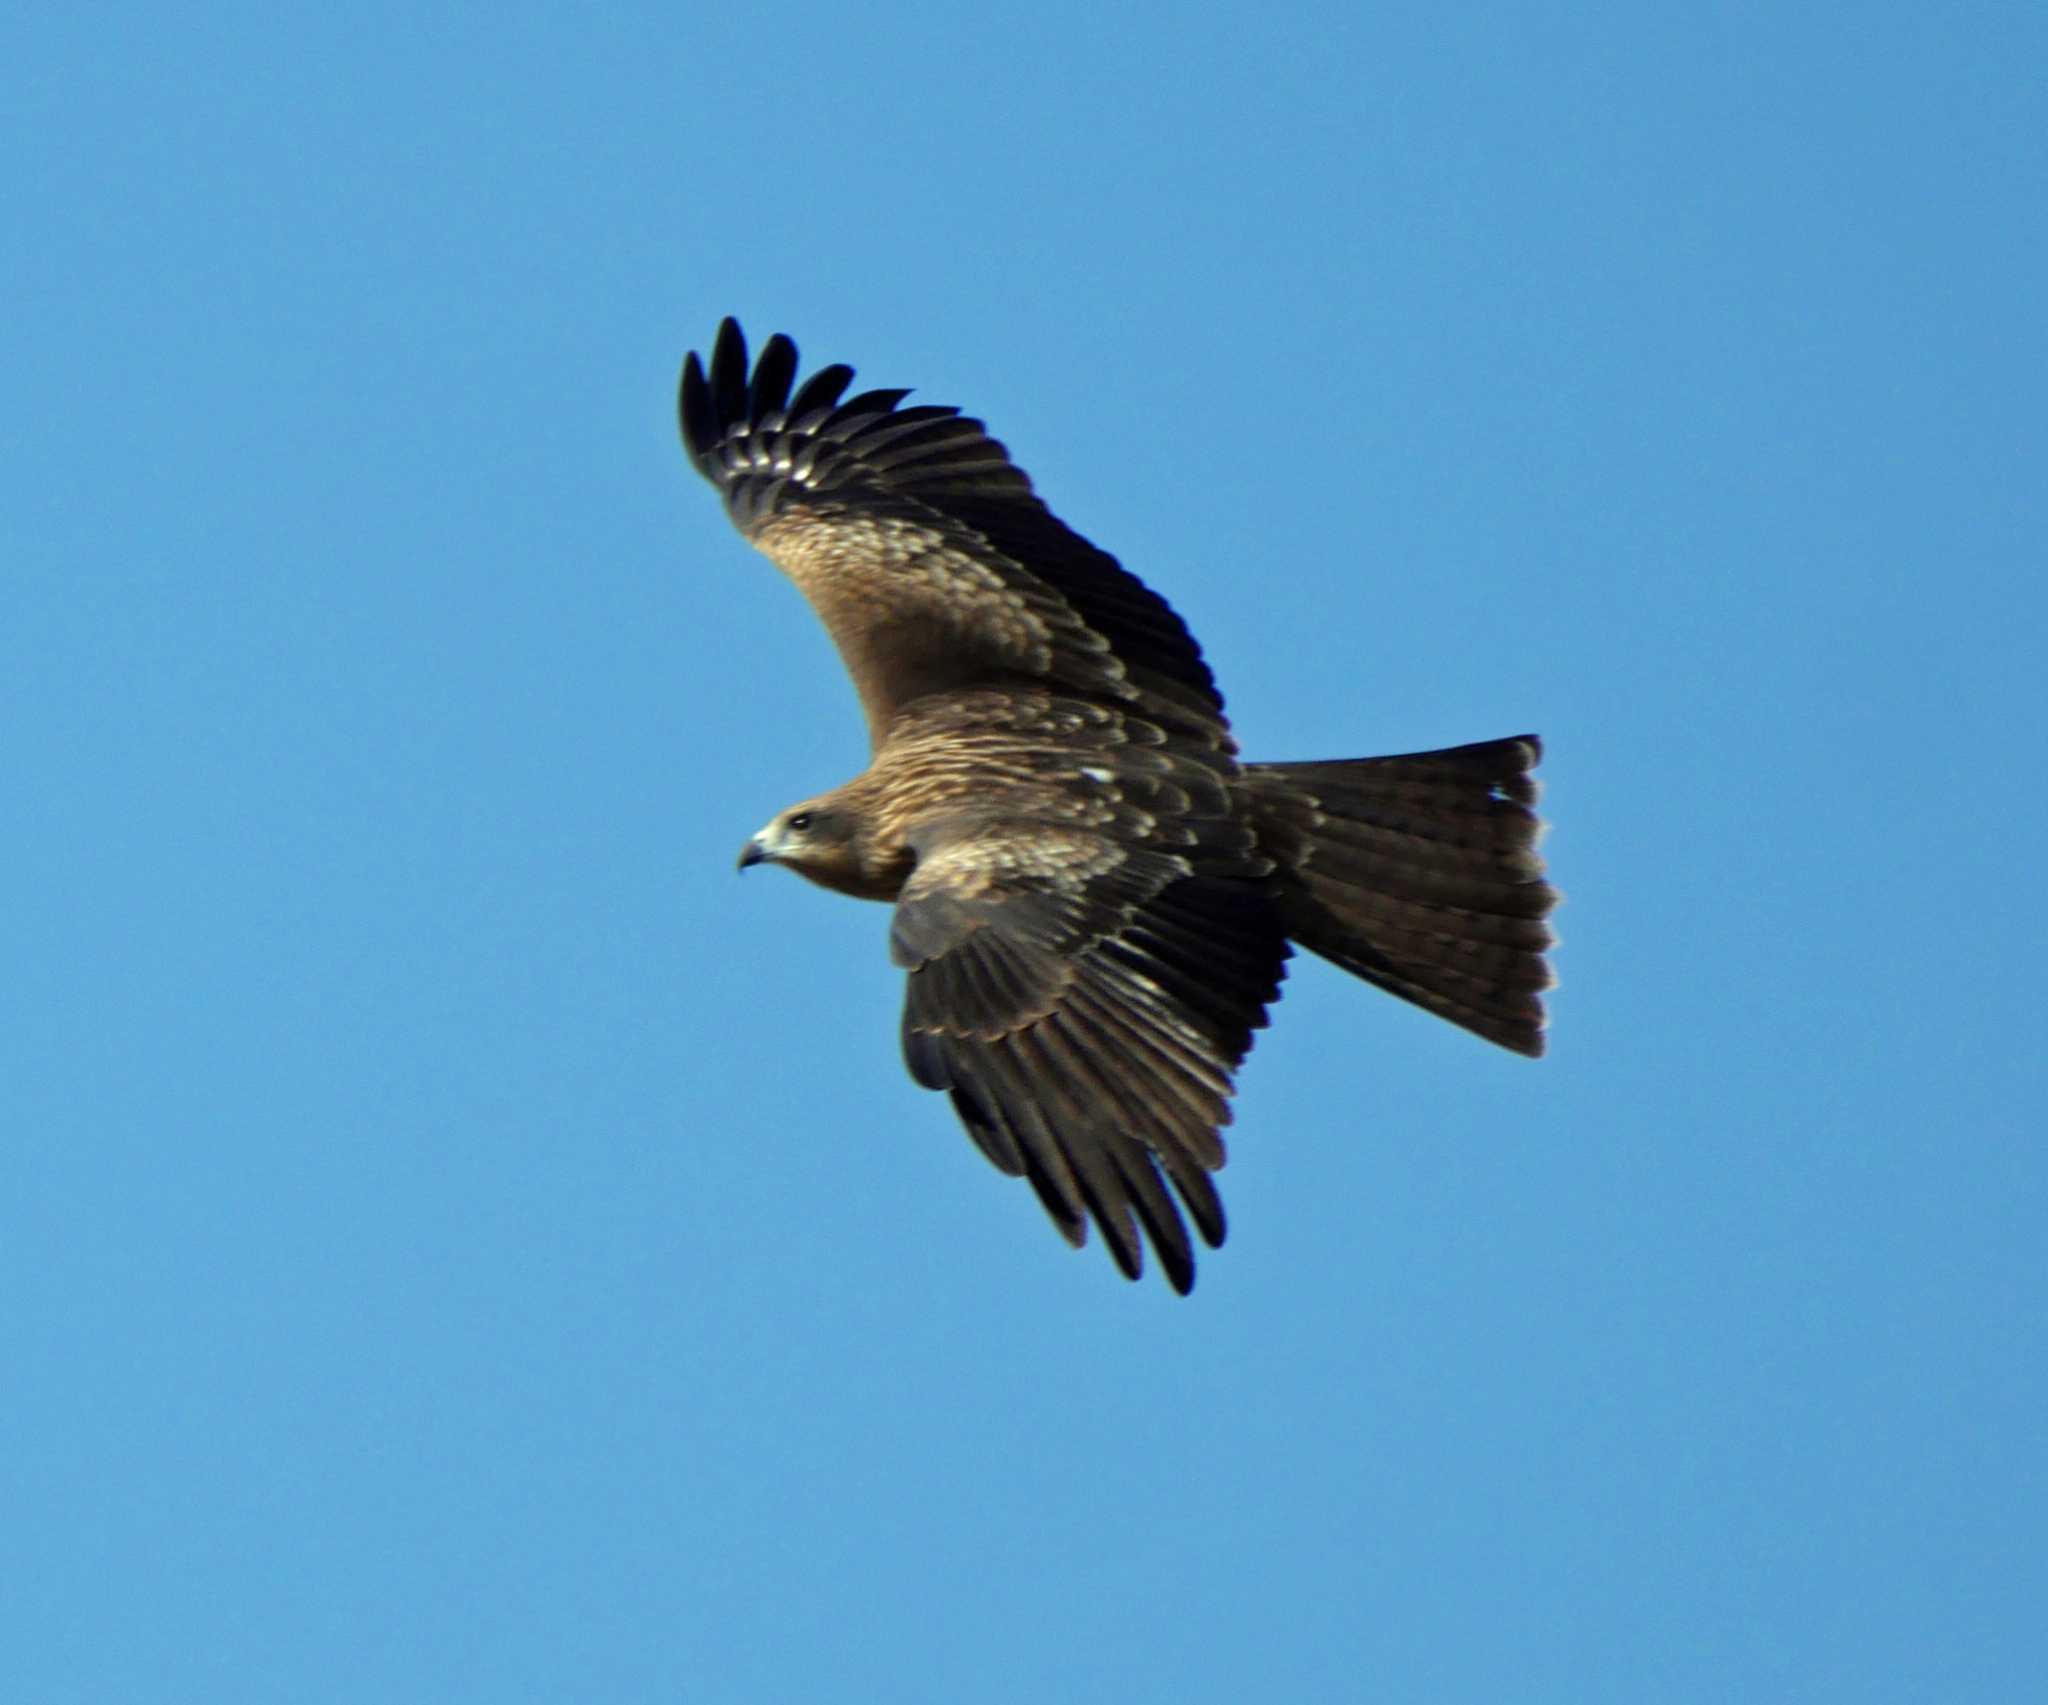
{"x":1420,"y":873}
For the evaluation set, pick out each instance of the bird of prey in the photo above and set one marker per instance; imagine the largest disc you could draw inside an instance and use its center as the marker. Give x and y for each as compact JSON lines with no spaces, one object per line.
{"x":1094,"y":898}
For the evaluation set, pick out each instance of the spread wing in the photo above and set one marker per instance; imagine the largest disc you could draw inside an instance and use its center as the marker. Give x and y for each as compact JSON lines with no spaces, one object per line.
{"x":1085,"y":1002}
{"x":923,"y":547}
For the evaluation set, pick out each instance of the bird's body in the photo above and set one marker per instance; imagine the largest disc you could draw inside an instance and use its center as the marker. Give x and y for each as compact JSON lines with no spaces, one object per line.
{"x":1021,"y":755}
{"x":1094,"y":897}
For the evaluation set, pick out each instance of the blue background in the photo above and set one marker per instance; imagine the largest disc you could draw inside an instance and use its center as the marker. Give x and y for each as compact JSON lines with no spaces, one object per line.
{"x":458,"y":1242}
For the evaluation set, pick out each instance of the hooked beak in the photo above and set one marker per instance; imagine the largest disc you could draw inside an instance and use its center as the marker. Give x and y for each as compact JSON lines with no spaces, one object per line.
{"x":752,"y":853}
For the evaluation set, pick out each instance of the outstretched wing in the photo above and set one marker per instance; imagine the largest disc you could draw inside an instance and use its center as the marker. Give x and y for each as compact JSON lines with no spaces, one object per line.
{"x":923,"y":547}
{"x":1085,"y":1003}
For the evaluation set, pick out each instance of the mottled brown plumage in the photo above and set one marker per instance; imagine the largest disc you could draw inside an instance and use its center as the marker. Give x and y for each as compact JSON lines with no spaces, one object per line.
{"x":1094,"y":898}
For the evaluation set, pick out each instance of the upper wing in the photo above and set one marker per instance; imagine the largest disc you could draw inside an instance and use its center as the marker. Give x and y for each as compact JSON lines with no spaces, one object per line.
{"x":922,"y":546}
{"x":1085,"y":1002}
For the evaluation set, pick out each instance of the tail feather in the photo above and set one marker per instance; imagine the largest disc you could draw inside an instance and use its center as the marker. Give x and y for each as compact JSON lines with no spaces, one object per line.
{"x":1420,"y":874}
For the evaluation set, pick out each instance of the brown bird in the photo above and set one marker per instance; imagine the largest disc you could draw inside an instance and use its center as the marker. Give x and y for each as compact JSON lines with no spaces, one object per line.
{"x":1094,"y":897}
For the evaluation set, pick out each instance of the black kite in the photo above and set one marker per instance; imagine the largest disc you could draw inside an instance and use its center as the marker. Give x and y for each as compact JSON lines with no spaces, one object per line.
{"x":1094,"y":897}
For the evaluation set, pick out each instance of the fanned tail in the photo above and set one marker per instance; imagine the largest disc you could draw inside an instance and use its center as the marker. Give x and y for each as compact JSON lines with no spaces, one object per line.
{"x":1420,"y":873}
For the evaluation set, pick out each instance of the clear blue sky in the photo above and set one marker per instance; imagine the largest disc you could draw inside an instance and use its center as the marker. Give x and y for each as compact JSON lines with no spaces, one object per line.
{"x":459,"y":1242}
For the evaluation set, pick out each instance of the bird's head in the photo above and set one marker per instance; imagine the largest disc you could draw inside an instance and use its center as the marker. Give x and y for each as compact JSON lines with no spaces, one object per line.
{"x":827,"y":843}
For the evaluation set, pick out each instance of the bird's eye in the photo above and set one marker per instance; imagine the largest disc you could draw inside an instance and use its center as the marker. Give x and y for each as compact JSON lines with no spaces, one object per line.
{"x":800,"y":821}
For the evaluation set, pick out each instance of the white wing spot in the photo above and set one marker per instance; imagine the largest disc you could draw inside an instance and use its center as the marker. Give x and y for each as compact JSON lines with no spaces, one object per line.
{"x":1095,"y":773}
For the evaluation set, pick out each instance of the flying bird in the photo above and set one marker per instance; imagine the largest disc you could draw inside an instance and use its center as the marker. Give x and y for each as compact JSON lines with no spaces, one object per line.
{"x":1094,"y":898}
